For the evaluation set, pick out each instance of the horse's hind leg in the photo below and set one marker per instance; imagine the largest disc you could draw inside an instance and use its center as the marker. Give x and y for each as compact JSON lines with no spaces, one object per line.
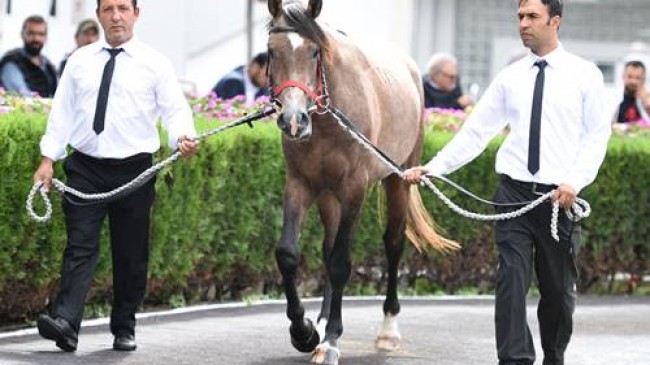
{"x":389,"y":337}
{"x":297,"y":200}
{"x":339,"y":267}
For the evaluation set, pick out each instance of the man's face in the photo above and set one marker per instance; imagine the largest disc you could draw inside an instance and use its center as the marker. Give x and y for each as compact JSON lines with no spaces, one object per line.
{"x":257,"y":74}
{"x":633,"y":78}
{"x":34,"y":37}
{"x":86,"y":38}
{"x":536,"y":28}
{"x":117,"y":18}
{"x":446,"y":76}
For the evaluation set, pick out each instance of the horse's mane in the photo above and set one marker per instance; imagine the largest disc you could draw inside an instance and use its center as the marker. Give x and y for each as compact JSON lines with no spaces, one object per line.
{"x":297,"y":17}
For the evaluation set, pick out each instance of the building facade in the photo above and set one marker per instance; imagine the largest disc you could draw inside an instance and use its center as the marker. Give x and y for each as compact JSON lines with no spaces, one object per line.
{"x":207,"y":38}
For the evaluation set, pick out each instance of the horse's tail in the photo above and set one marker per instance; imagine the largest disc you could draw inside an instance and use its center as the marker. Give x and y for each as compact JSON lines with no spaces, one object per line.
{"x":420,"y":226}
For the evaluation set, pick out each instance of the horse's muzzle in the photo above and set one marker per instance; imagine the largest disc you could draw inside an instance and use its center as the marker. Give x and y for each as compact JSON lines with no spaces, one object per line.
{"x":296,"y":125}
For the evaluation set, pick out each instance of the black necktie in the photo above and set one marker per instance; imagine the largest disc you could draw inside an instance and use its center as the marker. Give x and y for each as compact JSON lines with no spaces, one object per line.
{"x":536,"y":120}
{"x":102,"y":97}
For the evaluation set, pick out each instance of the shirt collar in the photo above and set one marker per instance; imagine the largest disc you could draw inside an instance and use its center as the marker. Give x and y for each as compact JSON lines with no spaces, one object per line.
{"x":553,"y":58}
{"x":130,"y":47}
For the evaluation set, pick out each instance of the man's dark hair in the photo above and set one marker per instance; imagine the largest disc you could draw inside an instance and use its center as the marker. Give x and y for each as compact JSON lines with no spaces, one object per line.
{"x":635,"y":64}
{"x":134,"y":2}
{"x":261,"y":59}
{"x":554,"y":6}
{"x":34,"y":19}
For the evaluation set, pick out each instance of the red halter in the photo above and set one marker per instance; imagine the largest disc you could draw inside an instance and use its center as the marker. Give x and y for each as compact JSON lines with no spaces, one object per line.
{"x":320,"y":97}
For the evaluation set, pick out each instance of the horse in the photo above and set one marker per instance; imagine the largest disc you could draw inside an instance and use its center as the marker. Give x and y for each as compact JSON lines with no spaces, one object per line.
{"x":312,"y":67}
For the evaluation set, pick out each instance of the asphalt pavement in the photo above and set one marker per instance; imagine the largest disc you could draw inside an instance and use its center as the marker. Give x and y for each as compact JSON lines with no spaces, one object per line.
{"x":435,"y":331}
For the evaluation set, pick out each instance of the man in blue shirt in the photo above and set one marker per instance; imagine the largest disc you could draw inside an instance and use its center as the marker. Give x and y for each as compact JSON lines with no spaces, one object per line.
{"x":25,"y":70}
{"x":249,"y":81}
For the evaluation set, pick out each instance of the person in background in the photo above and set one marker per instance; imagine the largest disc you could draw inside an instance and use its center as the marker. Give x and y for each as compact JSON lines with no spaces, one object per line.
{"x":87,"y":33}
{"x":635,"y":105}
{"x":441,"y":86}
{"x":106,"y":110}
{"x":555,"y":105}
{"x":26,"y":70}
{"x":248,"y":81}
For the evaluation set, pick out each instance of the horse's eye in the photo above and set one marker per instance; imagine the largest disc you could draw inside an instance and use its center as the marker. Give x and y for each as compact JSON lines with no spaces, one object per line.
{"x":315,"y":55}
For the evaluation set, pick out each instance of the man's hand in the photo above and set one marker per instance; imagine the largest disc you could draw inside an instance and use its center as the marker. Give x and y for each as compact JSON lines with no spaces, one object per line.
{"x":413,"y":174}
{"x":565,"y":195}
{"x":644,"y":97}
{"x":465,"y":101}
{"x":187,"y":146}
{"x":44,"y":173}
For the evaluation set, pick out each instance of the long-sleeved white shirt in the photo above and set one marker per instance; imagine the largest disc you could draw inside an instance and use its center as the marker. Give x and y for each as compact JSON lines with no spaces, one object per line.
{"x":143,"y":88}
{"x":575,"y":125}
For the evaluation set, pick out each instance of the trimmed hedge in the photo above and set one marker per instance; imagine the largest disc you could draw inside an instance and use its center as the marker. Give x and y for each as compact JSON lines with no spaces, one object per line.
{"x":216,"y":222}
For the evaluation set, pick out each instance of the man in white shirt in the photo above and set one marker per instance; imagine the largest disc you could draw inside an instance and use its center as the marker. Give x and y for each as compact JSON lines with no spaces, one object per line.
{"x":105,"y":109}
{"x":557,"y":140}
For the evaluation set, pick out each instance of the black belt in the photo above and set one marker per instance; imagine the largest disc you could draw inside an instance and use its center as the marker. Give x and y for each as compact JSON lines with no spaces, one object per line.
{"x":533,"y":187}
{"x":137,"y":158}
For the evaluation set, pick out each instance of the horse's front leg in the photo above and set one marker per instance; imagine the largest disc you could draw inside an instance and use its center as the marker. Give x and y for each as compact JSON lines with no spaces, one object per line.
{"x":338,"y":264}
{"x":297,"y":199}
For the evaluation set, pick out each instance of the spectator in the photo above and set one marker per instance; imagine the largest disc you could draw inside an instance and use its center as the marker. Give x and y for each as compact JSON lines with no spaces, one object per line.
{"x":555,"y":105}
{"x":87,"y":33}
{"x":248,"y":81}
{"x":441,"y":86}
{"x":112,"y":137}
{"x":25,"y":70}
{"x":635,"y":105}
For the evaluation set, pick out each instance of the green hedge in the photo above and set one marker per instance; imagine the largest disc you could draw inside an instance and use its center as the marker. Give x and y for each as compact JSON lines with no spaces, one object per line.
{"x":216,"y":222}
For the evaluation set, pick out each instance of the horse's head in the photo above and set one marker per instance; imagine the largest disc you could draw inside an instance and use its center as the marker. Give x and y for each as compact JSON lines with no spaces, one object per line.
{"x":296,"y":46}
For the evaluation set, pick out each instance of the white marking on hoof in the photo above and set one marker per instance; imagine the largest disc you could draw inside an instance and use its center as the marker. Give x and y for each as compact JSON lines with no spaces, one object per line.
{"x":388,"y":338}
{"x":325,"y":354}
{"x":320,"y":328}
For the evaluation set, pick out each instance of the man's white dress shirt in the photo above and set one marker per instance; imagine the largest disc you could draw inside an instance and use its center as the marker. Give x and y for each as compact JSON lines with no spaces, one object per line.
{"x":575,"y":123}
{"x":143,"y":88}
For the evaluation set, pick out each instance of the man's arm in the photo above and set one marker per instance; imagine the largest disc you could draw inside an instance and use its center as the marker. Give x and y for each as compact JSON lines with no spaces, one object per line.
{"x":596,"y":132}
{"x":175,"y":112}
{"x":644,"y":98}
{"x":13,"y":80}
{"x":485,"y":121}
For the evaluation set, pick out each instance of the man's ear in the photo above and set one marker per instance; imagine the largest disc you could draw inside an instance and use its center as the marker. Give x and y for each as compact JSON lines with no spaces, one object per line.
{"x":556,"y":21}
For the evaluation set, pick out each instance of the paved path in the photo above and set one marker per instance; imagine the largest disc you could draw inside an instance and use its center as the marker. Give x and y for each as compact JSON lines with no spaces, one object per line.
{"x":442,"y":331}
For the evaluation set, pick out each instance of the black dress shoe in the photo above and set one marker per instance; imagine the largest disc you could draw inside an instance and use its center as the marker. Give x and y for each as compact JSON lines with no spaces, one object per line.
{"x":124,"y":343}
{"x":58,"y":330}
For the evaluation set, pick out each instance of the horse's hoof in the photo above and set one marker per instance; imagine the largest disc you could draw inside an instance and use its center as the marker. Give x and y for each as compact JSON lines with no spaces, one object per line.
{"x":305,"y":340}
{"x":388,"y":338}
{"x":388,"y":343}
{"x":325,"y":354}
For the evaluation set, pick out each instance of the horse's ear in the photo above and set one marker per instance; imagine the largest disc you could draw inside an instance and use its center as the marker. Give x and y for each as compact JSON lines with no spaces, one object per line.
{"x":275,"y":6}
{"x":314,"y":8}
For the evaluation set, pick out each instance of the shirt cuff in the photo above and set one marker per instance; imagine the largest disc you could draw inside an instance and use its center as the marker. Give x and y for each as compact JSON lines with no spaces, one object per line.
{"x":434,"y":167}
{"x":174,"y":135}
{"x":50,"y":148}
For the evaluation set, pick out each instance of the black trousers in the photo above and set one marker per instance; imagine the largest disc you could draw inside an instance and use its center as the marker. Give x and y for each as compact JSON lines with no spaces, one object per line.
{"x":129,"y":233}
{"x":525,"y":244}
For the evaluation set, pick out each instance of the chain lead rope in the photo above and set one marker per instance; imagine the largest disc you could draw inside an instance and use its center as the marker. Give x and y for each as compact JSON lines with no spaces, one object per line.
{"x":131,"y":185}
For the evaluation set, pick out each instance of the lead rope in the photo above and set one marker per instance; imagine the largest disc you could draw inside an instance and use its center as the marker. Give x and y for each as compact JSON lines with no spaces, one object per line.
{"x":133,"y":184}
{"x":580,"y":209}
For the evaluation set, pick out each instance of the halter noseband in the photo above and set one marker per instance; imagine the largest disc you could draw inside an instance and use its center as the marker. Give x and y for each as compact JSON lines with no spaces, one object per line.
{"x":320,"y":97}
